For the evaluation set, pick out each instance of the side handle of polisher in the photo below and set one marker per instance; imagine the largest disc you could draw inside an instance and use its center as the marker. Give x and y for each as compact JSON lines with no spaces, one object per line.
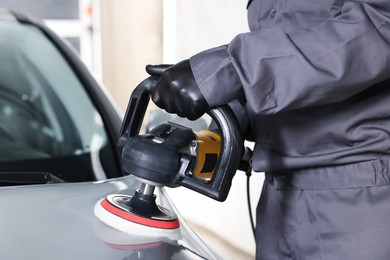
{"x":136,"y":110}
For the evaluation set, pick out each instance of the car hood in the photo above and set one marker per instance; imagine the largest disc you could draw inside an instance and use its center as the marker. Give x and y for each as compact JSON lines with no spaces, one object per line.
{"x":57,"y":221}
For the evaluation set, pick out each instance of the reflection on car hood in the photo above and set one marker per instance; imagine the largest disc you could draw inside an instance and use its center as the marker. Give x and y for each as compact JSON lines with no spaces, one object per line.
{"x":57,"y":222}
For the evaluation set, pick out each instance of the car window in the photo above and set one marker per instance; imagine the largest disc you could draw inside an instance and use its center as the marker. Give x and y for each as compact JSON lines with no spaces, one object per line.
{"x":48,"y":122}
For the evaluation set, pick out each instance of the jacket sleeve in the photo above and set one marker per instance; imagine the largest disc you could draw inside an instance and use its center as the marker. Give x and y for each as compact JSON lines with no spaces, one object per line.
{"x":279,"y":71}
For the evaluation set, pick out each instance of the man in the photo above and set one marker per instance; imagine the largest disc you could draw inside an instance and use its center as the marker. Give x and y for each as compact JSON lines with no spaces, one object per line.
{"x":311,"y":85}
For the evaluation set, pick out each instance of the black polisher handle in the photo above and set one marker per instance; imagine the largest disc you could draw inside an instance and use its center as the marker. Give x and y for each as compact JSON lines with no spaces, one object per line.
{"x":136,"y":110}
{"x":232,"y":141}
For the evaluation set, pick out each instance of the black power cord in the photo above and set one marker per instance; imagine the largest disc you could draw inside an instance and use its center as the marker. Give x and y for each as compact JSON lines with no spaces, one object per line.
{"x":248,"y":196}
{"x":246,"y":166}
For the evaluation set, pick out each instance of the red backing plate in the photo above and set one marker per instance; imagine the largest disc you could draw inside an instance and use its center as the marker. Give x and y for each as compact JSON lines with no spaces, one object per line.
{"x":137,"y":219}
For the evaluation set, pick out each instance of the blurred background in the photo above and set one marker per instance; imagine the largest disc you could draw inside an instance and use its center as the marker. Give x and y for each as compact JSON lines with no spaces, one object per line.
{"x":117,"y":38}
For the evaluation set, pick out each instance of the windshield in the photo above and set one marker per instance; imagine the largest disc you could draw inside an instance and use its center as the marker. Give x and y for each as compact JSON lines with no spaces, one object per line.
{"x":48,"y":122}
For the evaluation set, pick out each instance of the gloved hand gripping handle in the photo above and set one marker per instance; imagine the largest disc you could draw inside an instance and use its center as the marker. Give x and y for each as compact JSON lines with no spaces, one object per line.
{"x":232,"y":142}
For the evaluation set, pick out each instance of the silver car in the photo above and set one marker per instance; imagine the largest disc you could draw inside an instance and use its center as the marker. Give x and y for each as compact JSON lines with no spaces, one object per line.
{"x":58,"y":157}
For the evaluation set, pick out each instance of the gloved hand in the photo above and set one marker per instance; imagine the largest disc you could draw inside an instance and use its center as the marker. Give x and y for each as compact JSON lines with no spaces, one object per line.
{"x":177,"y":91}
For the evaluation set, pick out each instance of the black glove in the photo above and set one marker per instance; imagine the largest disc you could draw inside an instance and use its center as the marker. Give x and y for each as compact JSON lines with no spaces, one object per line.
{"x":177,"y":91}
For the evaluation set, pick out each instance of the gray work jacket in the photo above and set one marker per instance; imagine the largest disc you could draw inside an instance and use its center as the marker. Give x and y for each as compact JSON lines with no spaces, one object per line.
{"x":312,"y":79}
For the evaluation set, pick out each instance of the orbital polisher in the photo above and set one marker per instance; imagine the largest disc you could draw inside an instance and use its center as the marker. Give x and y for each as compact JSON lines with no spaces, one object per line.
{"x":170,"y":155}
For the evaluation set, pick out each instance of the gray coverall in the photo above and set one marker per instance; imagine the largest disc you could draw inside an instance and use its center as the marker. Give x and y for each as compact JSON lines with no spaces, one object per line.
{"x":312,"y":80}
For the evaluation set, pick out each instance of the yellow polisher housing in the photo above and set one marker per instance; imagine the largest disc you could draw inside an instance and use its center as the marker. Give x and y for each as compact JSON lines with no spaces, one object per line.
{"x":208,"y":152}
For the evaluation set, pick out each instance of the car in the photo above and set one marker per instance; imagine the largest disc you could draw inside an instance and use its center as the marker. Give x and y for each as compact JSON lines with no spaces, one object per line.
{"x":59,"y":157}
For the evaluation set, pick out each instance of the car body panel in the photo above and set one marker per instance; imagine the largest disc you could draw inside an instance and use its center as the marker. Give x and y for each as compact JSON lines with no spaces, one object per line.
{"x":58,"y":221}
